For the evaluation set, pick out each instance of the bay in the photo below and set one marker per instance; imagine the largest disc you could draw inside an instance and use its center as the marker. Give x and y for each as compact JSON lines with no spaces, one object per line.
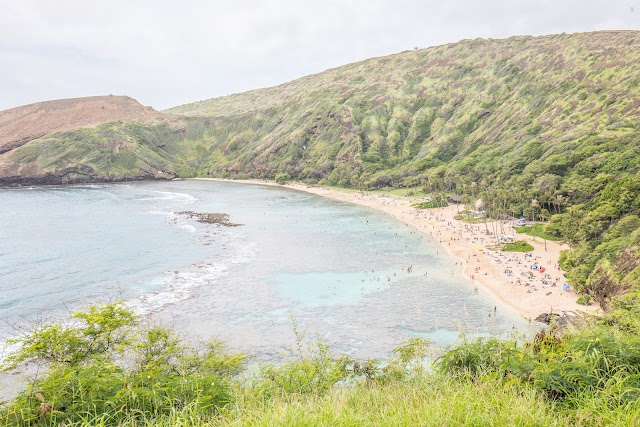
{"x":339,"y":272}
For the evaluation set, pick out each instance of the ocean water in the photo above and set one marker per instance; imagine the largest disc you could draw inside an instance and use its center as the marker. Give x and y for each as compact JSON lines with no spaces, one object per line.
{"x":335,"y":270}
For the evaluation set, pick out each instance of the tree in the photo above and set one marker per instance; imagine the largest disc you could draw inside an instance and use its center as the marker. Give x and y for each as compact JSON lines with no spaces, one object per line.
{"x":282,"y":178}
{"x":544,"y":215}
{"x":96,"y":333}
{"x":534,"y":205}
{"x":101,"y":363}
{"x":481,"y":205}
{"x":558,"y":202}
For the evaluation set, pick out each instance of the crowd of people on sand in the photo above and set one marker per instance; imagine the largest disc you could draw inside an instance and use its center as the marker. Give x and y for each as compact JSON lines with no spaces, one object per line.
{"x":523,"y":269}
{"x":493,"y":268}
{"x":475,"y":247}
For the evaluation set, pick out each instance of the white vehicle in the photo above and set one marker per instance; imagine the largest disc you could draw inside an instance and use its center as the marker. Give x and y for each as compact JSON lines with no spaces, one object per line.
{"x":520,"y":222}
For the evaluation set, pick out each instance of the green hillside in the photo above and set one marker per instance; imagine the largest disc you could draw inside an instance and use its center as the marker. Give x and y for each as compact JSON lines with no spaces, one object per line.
{"x":448,"y":111}
{"x":110,"y":152}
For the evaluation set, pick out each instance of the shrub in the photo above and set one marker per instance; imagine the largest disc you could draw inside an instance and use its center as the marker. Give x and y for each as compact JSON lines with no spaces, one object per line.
{"x":584,"y":299}
{"x":572,"y":367}
{"x":312,"y":373}
{"x":479,"y":357}
{"x":282,"y":178}
{"x":518,"y":246}
{"x":408,"y":359}
{"x":102,"y":365}
{"x":432,"y":204}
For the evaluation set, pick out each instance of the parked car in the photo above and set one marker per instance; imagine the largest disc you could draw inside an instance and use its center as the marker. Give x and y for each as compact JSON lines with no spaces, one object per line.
{"x":520,"y":222}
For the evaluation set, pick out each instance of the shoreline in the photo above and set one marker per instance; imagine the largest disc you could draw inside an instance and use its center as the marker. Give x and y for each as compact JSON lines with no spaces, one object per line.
{"x":523,"y":291}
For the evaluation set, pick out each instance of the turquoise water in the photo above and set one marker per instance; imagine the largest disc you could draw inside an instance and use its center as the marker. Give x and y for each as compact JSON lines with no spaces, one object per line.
{"x":337,"y":270}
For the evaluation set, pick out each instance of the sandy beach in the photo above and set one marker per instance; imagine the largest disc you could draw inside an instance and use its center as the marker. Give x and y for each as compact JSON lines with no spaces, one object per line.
{"x":507,"y":276}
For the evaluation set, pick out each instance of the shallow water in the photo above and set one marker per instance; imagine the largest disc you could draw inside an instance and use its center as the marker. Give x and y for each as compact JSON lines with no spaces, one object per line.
{"x":337,"y":270}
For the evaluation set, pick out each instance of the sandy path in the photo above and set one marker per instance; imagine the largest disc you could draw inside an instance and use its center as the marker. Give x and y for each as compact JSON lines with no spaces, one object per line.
{"x":507,"y":276}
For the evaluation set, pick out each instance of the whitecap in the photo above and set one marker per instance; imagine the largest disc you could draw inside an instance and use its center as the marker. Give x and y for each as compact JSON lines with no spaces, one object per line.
{"x":179,"y":286}
{"x":190,"y":228}
{"x":163,"y":213}
{"x":170,"y":195}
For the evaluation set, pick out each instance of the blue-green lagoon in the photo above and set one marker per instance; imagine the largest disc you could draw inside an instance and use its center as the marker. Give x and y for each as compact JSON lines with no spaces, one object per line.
{"x":338,"y":270}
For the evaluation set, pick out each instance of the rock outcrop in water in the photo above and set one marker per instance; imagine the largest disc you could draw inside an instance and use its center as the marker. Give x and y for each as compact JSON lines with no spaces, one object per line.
{"x":210,"y":218}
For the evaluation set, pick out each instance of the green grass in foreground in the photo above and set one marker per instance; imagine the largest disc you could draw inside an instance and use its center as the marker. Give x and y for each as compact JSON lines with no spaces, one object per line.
{"x":425,"y":400}
{"x":105,"y":369}
{"x":517,"y":246}
{"x":536,"y":230}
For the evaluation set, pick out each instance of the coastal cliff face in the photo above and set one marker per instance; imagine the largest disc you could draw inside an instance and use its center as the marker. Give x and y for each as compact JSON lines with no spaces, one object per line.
{"x":77,"y":140}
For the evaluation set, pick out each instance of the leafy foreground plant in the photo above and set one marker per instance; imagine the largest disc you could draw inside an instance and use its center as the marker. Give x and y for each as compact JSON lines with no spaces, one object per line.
{"x":598,"y":364}
{"x":105,"y":370}
{"x":101,"y":367}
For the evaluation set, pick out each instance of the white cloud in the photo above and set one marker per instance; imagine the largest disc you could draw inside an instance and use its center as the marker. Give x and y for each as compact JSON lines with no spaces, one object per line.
{"x":166,"y":52}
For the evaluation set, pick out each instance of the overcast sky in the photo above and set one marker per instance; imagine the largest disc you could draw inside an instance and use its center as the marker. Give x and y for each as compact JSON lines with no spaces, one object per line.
{"x":170,"y":52}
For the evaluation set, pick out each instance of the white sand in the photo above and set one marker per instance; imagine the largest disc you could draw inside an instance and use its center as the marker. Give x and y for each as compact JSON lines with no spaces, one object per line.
{"x":527,"y":291}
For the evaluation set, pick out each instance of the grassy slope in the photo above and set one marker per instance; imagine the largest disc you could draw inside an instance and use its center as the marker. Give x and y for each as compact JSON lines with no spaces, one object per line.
{"x":453,"y":109}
